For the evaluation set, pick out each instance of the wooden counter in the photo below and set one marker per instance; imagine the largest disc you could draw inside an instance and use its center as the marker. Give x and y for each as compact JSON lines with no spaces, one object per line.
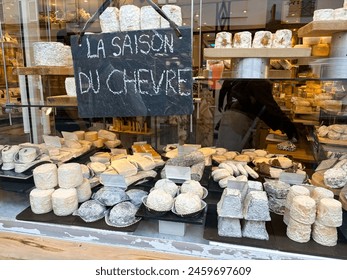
{"x":302,"y":153}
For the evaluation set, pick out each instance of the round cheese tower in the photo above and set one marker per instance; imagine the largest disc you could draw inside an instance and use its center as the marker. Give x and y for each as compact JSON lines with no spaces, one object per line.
{"x":293,"y":192}
{"x":298,"y":232}
{"x":64,"y":201}
{"x":282,"y":38}
{"x":318,"y":193}
{"x":91,"y":136}
{"x":303,"y":209}
{"x":223,"y":40}
{"x":326,"y":236}
{"x":262,"y":39}
{"x":70,"y":175}
{"x":329,"y":212}
{"x":187,"y":203}
{"x":192,"y":186}
{"x":167,"y":185}
{"x":242,"y":39}
{"x":122,"y":214}
{"x":46,"y":176}
{"x":41,"y":201}
{"x":84,"y":191}
{"x":159,"y":200}
{"x":27,"y":155}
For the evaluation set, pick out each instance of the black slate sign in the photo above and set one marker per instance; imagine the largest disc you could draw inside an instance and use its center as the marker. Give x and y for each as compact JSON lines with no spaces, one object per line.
{"x":134,"y":73}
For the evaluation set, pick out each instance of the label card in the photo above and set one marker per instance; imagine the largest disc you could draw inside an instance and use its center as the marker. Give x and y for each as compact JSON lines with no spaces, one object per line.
{"x":113,"y":180}
{"x":178,"y":174}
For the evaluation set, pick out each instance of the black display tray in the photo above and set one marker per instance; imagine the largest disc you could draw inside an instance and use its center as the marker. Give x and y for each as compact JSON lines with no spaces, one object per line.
{"x":70,"y":220}
{"x":171,"y":217}
{"x":278,"y":239}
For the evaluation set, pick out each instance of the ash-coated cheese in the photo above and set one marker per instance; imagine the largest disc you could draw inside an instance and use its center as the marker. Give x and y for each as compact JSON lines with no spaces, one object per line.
{"x":256,"y":206}
{"x":329,"y":212}
{"x":254,"y":229}
{"x":150,"y":19}
{"x":84,"y":191}
{"x":282,"y":38}
{"x":262,"y":39}
{"x":91,"y":211}
{"x":298,"y":232}
{"x":64,"y":201}
{"x":276,"y":188}
{"x":187,"y":203}
{"x":335,"y":178}
{"x":174,"y":13}
{"x":70,"y":86}
{"x":122,"y":214}
{"x":70,"y":175}
{"x":109,"y":20}
{"x":167,"y":185}
{"x":91,"y":136}
{"x":230,"y":204}
{"x":129,"y":16}
{"x":326,"y":236}
{"x":192,"y":186}
{"x":277,"y":205}
{"x":223,"y":40}
{"x":295,"y":191}
{"x":197,"y":171}
{"x":41,"y":201}
{"x":318,"y":193}
{"x":159,"y":200}
{"x":303,"y":209}
{"x":323,"y":14}
{"x":242,"y":39}
{"x":46,"y":176}
{"x":229,"y":227}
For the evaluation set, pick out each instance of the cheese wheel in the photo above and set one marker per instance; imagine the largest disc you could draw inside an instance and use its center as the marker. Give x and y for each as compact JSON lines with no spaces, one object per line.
{"x":329,"y":212}
{"x":326,"y":236}
{"x":84,"y":191}
{"x":80,"y":134}
{"x":223,"y":165}
{"x":150,"y":19}
{"x":45,"y":176}
{"x":298,"y":232}
{"x":295,"y":191}
{"x":303,"y":209}
{"x":41,"y":201}
{"x":174,"y":13}
{"x":108,"y":135}
{"x":70,"y":175}
{"x":109,"y":20}
{"x":318,"y":193}
{"x":129,"y":17}
{"x":251,"y":172}
{"x":27,"y":155}
{"x":219,"y":174}
{"x":91,"y":136}
{"x":64,"y":201}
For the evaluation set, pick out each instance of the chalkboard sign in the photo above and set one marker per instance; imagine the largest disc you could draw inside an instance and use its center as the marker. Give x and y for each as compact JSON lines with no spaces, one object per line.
{"x":134,"y":73}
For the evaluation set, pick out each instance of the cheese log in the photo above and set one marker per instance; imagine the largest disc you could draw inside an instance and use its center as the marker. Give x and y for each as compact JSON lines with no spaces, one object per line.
{"x":303,"y":209}
{"x":109,"y":20}
{"x":298,"y":232}
{"x":70,"y":175}
{"x":46,"y":176}
{"x":236,"y":171}
{"x":223,"y":40}
{"x":326,"y":236}
{"x":174,"y":13}
{"x":129,"y":17}
{"x":150,"y":19}
{"x":241,"y":169}
{"x":64,"y":201}
{"x":229,"y":227}
{"x":84,"y":191}
{"x":277,"y":188}
{"x":220,"y":174}
{"x":251,"y":172}
{"x":329,"y":212}
{"x":41,"y":201}
{"x":197,"y":170}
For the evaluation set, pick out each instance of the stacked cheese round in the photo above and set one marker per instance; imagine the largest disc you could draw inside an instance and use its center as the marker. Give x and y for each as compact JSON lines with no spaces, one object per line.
{"x":46,"y":176}
{"x":84,"y":191}
{"x":303,"y":209}
{"x":329,"y":212}
{"x":8,"y":153}
{"x":318,"y":193}
{"x":27,"y":155}
{"x":298,"y":232}
{"x":64,"y":201}
{"x":41,"y":201}
{"x":70,"y":175}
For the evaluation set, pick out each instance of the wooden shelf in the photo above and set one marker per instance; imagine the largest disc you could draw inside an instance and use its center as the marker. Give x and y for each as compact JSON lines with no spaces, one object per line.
{"x":227,"y":53}
{"x":322,"y":28}
{"x":45,"y":70}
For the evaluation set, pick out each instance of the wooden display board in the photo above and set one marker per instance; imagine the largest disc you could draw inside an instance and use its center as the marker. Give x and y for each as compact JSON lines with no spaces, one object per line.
{"x":318,"y":180}
{"x":322,"y":28}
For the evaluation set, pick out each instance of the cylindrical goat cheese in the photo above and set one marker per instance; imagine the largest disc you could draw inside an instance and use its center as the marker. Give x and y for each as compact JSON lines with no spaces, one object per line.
{"x":27,"y":155}
{"x":129,"y":16}
{"x":41,"y":201}
{"x":70,"y":175}
{"x":329,"y":212}
{"x":50,"y":54}
{"x":84,"y":191}
{"x":282,"y":38}
{"x":70,"y":86}
{"x":242,"y":40}
{"x":323,"y":14}
{"x":262,"y":39}
{"x":64,"y":201}
{"x":298,"y":232}
{"x":295,"y":191}
{"x":303,"y":209}
{"x":46,"y":176}
{"x":318,"y":193}
{"x":109,"y":20}
{"x":174,"y":13}
{"x":150,"y":19}
{"x":223,"y":40}
{"x":8,"y":152}
{"x":326,"y":236}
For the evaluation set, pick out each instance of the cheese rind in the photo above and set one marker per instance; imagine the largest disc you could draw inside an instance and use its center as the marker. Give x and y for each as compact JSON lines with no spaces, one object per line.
{"x":70,"y":175}
{"x":329,"y":212}
{"x":41,"y":201}
{"x":326,"y":236}
{"x":298,"y":232}
{"x":229,"y":227}
{"x":64,"y":201}
{"x":46,"y":176}
{"x":303,"y":209}
{"x":84,"y":191}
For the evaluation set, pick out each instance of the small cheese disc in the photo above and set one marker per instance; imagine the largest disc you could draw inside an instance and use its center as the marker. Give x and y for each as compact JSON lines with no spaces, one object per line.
{"x":41,"y":201}
{"x":70,"y":175}
{"x":64,"y":201}
{"x":45,"y":176}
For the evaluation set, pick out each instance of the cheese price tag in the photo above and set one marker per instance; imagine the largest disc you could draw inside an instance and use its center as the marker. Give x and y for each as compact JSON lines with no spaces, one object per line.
{"x":177,"y":174}
{"x":116,"y":152}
